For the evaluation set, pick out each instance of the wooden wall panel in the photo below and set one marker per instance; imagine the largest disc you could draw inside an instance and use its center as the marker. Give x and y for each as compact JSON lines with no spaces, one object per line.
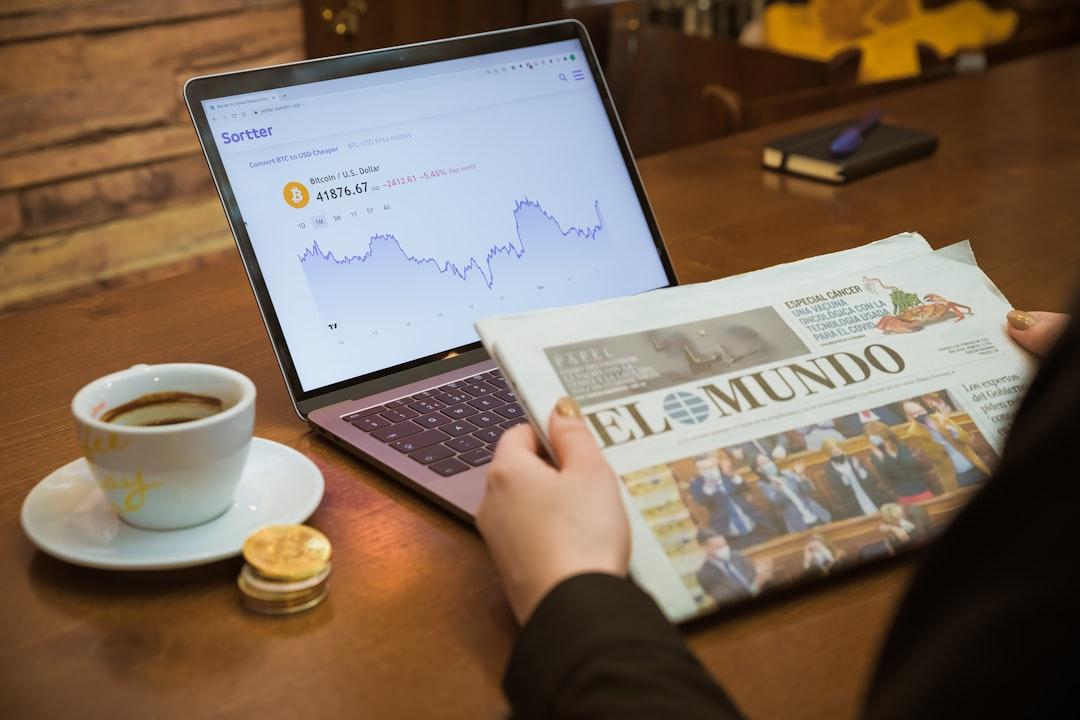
{"x":96,"y":154}
{"x":101,"y":176}
{"x":25,"y":19}
{"x":10,"y":216}
{"x":43,"y":118}
{"x":87,"y":257}
{"x":113,"y":195}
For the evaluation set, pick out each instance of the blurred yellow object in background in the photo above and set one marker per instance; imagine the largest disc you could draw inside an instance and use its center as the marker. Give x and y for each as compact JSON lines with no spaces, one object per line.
{"x":886,"y":31}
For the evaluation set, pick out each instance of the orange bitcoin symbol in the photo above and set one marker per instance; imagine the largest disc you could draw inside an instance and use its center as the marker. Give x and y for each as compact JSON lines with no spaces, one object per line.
{"x":296,"y":195}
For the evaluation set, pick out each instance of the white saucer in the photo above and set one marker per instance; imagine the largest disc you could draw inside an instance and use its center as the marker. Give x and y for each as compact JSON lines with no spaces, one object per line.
{"x":68,"y":517}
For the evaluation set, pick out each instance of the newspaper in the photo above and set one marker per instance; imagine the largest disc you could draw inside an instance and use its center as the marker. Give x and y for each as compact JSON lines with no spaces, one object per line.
{"x":786,"y":423}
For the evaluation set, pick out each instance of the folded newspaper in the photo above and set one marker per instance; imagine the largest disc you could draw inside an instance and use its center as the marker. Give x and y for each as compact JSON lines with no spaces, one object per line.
{"x":787,"y":423}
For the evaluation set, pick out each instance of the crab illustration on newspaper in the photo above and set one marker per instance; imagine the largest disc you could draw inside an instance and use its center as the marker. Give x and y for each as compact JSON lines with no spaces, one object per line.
{"x":912,"y":313}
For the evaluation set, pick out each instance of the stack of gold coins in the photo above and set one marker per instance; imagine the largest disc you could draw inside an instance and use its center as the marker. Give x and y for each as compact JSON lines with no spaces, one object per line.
{"x":287,"y":569}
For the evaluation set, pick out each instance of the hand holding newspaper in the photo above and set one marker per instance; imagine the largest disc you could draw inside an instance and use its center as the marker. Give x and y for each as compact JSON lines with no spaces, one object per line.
{"x":786,"y":423}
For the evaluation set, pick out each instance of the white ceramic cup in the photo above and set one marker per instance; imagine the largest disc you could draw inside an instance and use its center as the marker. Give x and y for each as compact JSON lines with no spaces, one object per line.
{"x":167,"y":477}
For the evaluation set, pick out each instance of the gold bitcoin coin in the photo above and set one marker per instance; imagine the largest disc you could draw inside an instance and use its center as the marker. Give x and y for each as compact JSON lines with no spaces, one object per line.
{"x":287,"y":552}
{"x":296,"y":194}
{"x":280,"y":597}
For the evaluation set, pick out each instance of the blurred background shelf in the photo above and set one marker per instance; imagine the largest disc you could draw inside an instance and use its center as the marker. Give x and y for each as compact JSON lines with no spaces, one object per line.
{"x":101,"y":178}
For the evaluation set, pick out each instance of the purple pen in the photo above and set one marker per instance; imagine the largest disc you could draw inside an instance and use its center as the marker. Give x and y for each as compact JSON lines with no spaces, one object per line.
{"x":851,"y":138}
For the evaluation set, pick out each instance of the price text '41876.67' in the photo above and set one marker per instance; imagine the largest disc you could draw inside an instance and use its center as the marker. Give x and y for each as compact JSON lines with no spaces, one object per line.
{"x":341,"y":191}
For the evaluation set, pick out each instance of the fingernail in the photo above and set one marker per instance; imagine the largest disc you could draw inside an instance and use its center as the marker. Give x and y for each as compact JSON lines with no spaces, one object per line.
{"x":1021,"y":320}
{"x":568,"y":407}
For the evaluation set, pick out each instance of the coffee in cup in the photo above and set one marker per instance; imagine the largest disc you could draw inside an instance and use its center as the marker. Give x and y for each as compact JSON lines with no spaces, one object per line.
{"x":164,"y":408}
{"x":167,"y":443}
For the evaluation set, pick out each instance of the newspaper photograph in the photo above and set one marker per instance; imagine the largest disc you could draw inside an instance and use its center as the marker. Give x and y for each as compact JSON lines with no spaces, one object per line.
{"x":616,"y":367}
{"x":785,"y":424}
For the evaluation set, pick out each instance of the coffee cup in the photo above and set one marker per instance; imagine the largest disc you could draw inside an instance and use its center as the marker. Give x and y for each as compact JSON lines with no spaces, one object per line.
{"x":167,"y":443}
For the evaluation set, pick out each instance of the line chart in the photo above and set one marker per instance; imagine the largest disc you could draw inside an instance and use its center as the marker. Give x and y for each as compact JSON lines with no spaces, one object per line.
{"x":389,"y":301}
{"x":515,"y":249}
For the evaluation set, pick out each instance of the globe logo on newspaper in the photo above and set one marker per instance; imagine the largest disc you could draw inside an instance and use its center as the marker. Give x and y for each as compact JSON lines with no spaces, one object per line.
{"x":686,"y":408}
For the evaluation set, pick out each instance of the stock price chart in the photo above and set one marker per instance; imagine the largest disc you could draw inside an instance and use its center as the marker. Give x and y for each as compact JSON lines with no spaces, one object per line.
{"x":383,"y":293}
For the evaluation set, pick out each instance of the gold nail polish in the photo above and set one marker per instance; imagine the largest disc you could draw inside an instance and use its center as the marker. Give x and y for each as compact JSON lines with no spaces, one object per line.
{"x":568,"y":407}
{"x":1021,"y":320}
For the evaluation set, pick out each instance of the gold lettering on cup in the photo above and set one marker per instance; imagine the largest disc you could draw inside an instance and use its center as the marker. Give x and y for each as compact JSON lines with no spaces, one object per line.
{"x":94,"y":444}
{"x":136,"y":487}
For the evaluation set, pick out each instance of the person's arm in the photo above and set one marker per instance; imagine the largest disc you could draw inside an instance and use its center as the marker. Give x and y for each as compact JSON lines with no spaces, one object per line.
{"x":592,"y":645}
{"x":597,"y":647}
{"x":989,"y":622}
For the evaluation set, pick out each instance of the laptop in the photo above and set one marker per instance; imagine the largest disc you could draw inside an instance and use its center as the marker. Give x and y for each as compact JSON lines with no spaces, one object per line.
{"x":384,"y":201}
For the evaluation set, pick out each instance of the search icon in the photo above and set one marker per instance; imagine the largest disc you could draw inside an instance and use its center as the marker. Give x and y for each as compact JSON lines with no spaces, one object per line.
{"x":562,"y":76}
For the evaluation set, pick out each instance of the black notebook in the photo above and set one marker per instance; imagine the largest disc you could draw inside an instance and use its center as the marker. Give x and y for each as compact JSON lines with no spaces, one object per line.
{"x":883,"y":147}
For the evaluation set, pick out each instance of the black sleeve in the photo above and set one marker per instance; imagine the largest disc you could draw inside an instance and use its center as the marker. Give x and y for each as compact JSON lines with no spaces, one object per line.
{"x":990,"y":626}
{"x":599,"y":647}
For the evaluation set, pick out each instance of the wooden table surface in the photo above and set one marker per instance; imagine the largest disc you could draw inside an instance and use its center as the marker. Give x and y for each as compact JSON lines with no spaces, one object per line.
{"x":415,"y":624}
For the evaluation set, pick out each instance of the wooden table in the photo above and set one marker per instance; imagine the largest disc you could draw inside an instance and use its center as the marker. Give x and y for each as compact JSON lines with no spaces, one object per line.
{"x":415,"y":624}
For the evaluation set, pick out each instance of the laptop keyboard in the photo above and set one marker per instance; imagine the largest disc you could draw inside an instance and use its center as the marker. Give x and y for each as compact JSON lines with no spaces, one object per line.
{"x":450,"y":428}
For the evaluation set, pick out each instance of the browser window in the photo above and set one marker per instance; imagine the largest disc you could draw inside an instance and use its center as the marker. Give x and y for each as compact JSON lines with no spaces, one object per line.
{"x":390,"y":211}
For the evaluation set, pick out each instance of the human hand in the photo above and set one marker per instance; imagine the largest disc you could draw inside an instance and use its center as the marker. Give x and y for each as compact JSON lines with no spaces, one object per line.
{"x":1036,"y":331}
{"x":798,"y":467}
{"x":543,"y":524}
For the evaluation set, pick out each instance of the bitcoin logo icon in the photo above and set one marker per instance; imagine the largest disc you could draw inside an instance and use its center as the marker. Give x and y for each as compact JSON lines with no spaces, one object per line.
{"x":296,"y":194}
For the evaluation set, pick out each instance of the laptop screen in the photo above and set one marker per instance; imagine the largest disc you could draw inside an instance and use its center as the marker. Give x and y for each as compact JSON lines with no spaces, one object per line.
{"x":391,"y":210}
